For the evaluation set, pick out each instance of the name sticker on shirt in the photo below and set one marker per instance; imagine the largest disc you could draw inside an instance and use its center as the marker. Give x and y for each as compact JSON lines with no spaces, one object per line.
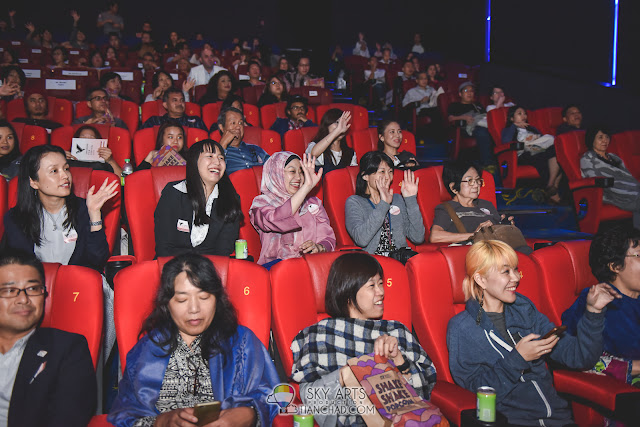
{"x":72,"y":236}
{"x":183,"y":226}
{"x":394,"y":210}
{"x":313,"y":208}
{"x":486,"y":211}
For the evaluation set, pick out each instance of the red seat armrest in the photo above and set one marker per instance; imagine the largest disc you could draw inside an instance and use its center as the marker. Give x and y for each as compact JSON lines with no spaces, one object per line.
{"x":452,"y":400}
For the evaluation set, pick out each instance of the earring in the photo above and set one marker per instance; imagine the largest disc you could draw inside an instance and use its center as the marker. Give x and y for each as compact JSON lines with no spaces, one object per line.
{"x":480,"y":310}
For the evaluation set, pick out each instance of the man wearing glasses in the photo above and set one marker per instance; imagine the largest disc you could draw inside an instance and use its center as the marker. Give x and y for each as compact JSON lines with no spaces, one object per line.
{"x":98,"y":103}
{"x":296,"y":112}
{"x":47,"y":374}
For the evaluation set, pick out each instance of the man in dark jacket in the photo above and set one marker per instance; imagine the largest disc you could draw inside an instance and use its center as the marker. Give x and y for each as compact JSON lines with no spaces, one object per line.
{"x":296,"y":112}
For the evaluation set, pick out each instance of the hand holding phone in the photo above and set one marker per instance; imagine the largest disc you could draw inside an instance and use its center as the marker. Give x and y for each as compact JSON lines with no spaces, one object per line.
{"x":206,"y":412}
{"x":555,"y":331}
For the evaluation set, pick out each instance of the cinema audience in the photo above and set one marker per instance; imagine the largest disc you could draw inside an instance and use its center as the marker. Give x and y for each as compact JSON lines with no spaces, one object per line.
{"x":330,"y":143}
{"x":296,"y":110}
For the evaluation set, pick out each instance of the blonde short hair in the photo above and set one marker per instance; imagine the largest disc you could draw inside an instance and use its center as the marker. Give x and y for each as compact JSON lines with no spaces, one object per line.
{"x":482,"y":257}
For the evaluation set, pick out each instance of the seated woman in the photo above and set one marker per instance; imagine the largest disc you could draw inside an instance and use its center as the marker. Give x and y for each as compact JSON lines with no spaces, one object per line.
{"x":354,"y":301}
{"x":496,"y":95}
{"x":205,"y":207}
{"x":9,"y":151}
{"x":377,"y":220}
{"x":112,"y":83}
{"x":171,"y":134}
{"x":614,"y":258}
{"x":49,"y":220}
{"x":389,"y":141}
{"x":542,"y":158}
{"x":96,"y":60}
{"x":275,"y":91}
{"x":289,"y":222}
{"x":13,"y":81}
{"x":89,"y":132}
{"x":219,"y":87}
{"x":59,"y":58}
{"x":495,"y":341}
{"x":161,"y":81}
{"x":432,"y":77}
{"x":598,"y":162}
{"x":330,"y":142}
{"x":194,"y":361}
{"x":111,"y":57}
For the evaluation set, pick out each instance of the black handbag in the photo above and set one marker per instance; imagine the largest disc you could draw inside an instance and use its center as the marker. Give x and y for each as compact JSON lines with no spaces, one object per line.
{"x":402,"y":254}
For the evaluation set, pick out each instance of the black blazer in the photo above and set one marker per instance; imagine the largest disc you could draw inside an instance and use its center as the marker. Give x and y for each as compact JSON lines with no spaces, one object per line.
{"x":92,"y":249}
{"x":175,"y":205}
{"x":64,"y":393}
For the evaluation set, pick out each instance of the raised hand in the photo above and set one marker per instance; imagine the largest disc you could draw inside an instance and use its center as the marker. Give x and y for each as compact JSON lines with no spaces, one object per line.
{"x":311,"y":178}
{"x":343,"y":123}
{"x":599,"y":296}
{"x":384,"y":188}
{"x":106,"y":192}
{"x":188,"y":84}
{"x":409,"y":185}
{"x":74,"y":15}
{"x":29,"y":26}
{"x":105,"y":153}
{"x":531,"y":348}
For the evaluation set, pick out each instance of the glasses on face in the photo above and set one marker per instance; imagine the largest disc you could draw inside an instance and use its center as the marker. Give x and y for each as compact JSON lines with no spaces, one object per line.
{"x":633,"y":255}
{"x":31,"y":291}
{"x":99,"y":98}
{"x":297,"y":107}
{"x":468,"y":90}
{"x":303,"y":65}
{"x":472,"y":182}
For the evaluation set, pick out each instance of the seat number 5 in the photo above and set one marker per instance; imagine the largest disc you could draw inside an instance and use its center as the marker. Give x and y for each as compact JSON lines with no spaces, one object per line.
{"x":389,"y":282}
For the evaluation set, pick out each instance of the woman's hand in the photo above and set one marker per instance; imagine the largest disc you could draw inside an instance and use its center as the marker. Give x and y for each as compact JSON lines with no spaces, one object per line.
{"x":157,"y":93}
{"x":409,"y":186}
{"x":232,"y":417}
{"x":487,"y":223}
{"x":384,"y":188}
{"x":343,"y":123}
{"x":599,"y":296}
{"x":309,"y":247}
{"x":70,"y":156}
{"x":188,"y":84}
{"x":387,"y":346}
{"x":510,"y":219}
{"x":176,"y":418}
{"x":531,"y":348}
{"x":311,"y":178}
{"x":105,"y":153}
{"x":97,"y":200}
{"x":9,"y":89}
{"x":150,"y":156}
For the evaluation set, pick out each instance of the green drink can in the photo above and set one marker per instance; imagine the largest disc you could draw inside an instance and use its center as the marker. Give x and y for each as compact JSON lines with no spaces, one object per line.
{"x":304,"y":418}
{"x":242,"y":251}
{"x":486,"y":411}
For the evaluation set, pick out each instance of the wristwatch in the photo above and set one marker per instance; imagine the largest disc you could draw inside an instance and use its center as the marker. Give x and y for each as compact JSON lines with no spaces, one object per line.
{"x":95,"y":223}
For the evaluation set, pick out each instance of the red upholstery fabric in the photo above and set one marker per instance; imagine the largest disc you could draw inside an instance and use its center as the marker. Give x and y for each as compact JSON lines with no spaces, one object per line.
{"x":246,"y":283}
{"x":366,"y":140}
{"x":297,"y":140}
{"x":269,"y":114}
{"x":315,"y":95}
{"x":251,"y":94}
{"x":627,"y":146}
{"x":119,"y":140}
{"x":75,"y":303}
{"x":210,"y":113}
{"x":155,"y":108}
{"x":125,"y":110}
{"x":359,"y":114}
{"x":83,"y":179}
{"x":247,"y":184}
{"x":30,"y":136}
{"x":496,"y":120}
{"x":142,"y":192}
{"x":269,"y":140}
{"x":546,"y":120}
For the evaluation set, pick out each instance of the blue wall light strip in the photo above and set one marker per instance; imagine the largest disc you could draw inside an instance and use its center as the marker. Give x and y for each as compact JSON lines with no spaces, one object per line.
{"x":614,"y":61}
{"x":487,"y":41}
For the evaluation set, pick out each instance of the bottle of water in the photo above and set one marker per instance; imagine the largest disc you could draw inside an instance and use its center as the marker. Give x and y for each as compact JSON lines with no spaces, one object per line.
{"x":127,"y":169}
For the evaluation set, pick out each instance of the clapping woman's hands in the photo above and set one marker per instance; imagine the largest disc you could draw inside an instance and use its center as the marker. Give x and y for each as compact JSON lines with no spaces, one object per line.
{"x":311,"y":177}
{"x":409,"y":185}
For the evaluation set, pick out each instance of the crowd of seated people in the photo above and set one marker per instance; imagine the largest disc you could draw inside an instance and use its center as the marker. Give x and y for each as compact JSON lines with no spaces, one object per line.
{"x":193,"y":328}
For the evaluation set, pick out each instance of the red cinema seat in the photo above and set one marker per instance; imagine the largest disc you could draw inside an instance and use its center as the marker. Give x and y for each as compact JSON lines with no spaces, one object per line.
{"x":83,"y":179}
{"x":246,"y":283}
{"x":199,"y":92}
{"x":251,"y":115}
{"x":3,"y":108}
{"x":627,"y":146}
{"x":269,"y":140}
{"x":119,"y":140}
{"x":546,"y":120}
{"x":269,"y":114}
{"x":75,"y":303}
{"x":60,"y":110}
{"x":459,"y":139}
{"x":297,"y":140}
{"x":247,"y":184}
{"x":143,"y":190}
{"x":145,"y":140}
{"x":3,"y":203}
{"x":251,"y":94}
{"x":155,"y":108}
{"x":359,"y":114}
{"x":30,"y":136}
{"x":587,"y":192}
{"x":210,"y":113}
{"x":125,"y":110}
{"x":315,"y":95}
{"x":366,"y":140}
{"x":506,"y":153}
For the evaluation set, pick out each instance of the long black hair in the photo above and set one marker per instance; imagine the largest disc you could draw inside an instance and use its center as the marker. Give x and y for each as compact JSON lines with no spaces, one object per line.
{"x":203,"y":275}
{"x":331,"y":116}
{"x":160,"y":137}
{"x":228,"y":206}
{"x":28,"y":210}
{"x":156,"y":77}
{"x":381,"y":128}
{"x":212,"y":87}
{"x":369,"y":164}
{"x":15,"y":151}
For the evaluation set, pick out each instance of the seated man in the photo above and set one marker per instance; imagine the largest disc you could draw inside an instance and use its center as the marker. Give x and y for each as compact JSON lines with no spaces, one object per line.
{"x":47,"y":374}
{"x":203,"y":72}
{"x":296,"y":112}
{"x":239,"y":154}
{"x":571,"y":119}
{"x":497,"y":97}
{"x":173,"y":102}
{"x":146,"y":45}
{"x":301,"y":76}
{"x":37,"y":107}
{"x":408,"y":71}
{"x":425,"y":99}
{"x":98,"y":102}
{"x":149,"y":62}
{"x":614,"y":258}
{"x":467,"y":114}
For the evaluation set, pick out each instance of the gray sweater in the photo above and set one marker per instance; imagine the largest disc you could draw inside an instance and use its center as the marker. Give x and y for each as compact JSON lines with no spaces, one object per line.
{"x":625,"y":190}
{"x":364,"y":222}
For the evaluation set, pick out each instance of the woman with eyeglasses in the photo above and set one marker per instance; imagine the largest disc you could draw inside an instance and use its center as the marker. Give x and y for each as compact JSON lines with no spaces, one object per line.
{"x":193,"y":351}
{"x":463,"y":182}
{"x":275,"y":91}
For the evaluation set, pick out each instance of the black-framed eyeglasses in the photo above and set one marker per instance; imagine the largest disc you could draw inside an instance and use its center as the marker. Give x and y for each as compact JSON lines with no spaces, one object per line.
{"x":99,"y":98}
{"x":31,"y":291}
{"x":633,"y":255}
{"x":471,"y":182}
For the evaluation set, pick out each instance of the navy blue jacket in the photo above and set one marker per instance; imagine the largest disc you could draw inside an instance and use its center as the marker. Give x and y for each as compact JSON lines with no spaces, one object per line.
{"x":281,"y":125}
{"x":480,"y":356}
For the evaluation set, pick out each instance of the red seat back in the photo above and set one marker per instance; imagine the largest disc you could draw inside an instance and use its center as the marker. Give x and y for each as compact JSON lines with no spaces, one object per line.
{"x":3,"y":203}
{"x":60,"y":110}
{"x":359,"y":114}
{"x":30,"y":136}
{"x":569,"y":149}
{"x":143,"y":190}
{"x":251,"y":94}
{"x":269,"y":113}
{"x":155,"y":108}
{"x":366,"y":140}
{"x":627,"y":146}
{"x":339,"y":185}
{"x":546,"y":120}
{"x":496,"y":120}
{"x":75,"y":303}
{"x":269,"y":140}
{"x":246,"y":283}
{"x":247,"y":183}
{"x":297,"y":140}
{"x":298,"y":289}
{"x":315,"y":95}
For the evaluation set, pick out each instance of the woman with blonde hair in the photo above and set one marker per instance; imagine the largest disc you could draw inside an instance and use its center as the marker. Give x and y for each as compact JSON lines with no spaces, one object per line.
{"x":496,"y":341}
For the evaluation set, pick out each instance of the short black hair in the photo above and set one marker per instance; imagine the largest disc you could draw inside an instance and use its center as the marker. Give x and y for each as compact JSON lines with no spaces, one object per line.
{"x":453,"y":172}
{"x":348,"y":273}
{"x":110,"y":75}
{"x":19,"y":257}
{"x":609,"y":249}
{"x":369,"y":163}
{"x":168,"y":92}
{"x":154,"y":80}
{"x":95,"y":89}
{"x":591,"y":133}
{"x":222,"y":117}
{"x":297,"y":98}
{"x":567,"y":107}
{"x":9,"y":68}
